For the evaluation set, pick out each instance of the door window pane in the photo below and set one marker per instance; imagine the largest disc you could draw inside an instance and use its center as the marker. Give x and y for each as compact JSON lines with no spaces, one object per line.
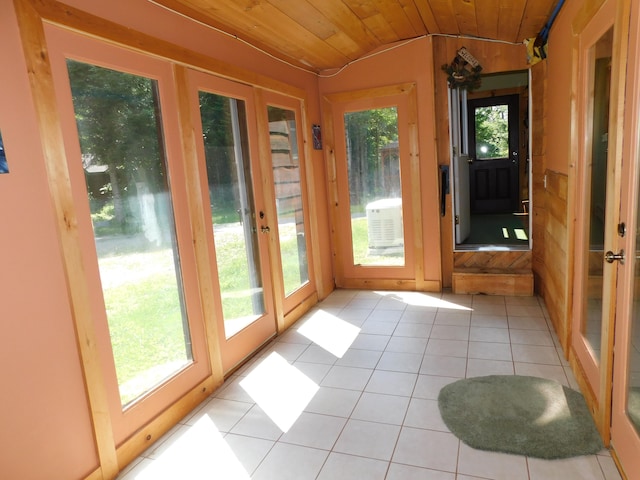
{"x":288,"y":191}
{"x":231,"y":196}
{"x":492,"y":132}
{"x":596,"y":189}
{"x":120,"y":132}
{"x":375,"y":193}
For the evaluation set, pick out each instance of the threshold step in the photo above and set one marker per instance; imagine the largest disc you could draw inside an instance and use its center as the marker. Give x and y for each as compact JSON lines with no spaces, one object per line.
{"x":493,"y":281}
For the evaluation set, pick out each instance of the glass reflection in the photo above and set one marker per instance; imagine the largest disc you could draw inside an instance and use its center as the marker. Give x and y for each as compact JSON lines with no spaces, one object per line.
{"x":224,"y":128}
{"x":287,"y":183}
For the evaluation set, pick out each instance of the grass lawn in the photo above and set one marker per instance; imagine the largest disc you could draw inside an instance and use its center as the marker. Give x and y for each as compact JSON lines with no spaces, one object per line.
{"x":144,"y":306}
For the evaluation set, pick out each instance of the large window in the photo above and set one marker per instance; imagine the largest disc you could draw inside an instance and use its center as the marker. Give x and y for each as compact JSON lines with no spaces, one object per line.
{"x":120,"y":133}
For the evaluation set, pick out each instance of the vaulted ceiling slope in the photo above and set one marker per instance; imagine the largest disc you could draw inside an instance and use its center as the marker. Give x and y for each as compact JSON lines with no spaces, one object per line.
{"x":326,"y":34}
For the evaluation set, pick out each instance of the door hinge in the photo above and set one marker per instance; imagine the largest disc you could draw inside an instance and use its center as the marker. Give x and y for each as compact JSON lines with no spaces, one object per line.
{"x":457,"y":220}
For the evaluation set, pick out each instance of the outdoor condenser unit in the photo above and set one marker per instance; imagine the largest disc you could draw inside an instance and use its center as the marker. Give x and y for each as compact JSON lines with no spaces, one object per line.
{"x":384,"y":219}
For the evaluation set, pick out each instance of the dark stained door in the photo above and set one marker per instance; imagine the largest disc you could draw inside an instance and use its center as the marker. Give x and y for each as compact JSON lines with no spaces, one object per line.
{"x":493,"y":151}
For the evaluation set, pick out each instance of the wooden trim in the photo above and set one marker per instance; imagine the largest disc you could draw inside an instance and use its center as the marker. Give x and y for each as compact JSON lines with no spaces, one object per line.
{"x":296,"y":313}
{"x":416,"y":189}
{"x":44,"y":99}
{"x":198,"y":226}
{"x":387,"y":91}
{"x":79,"y":21}
{"x":586,"y":13}
{"x":151,"y":432}
{"x":313,"y":185}
{"x":266,"y":174}
{"x":332,"y":186}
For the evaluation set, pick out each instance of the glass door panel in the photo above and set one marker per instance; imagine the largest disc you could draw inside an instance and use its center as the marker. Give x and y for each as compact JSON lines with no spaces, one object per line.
{"x":375,"y":187}
{"x":232,"y":208}
{"x":289,"y":195}
{"x":223,"y":114}
{"x":596,"y":177}
{"x":119,"y":126}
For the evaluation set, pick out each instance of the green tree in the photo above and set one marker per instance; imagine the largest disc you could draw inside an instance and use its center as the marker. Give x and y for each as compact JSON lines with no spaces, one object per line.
{"x":492,"y":131}
{"x":366,"y":133}
{"x":117,"y":115}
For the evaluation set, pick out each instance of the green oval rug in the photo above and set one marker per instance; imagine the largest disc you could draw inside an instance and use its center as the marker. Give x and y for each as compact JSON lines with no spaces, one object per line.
{"x":518,"y":414}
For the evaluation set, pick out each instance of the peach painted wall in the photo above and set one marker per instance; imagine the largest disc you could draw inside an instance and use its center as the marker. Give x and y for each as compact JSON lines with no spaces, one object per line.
{"x":409,"y":62}
{"x":45,"y":430}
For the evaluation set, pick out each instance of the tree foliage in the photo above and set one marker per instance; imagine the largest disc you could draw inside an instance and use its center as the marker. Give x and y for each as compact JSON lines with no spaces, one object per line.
{"x":492,"y":131}
{"x":117,"y":115}
{"x":367,"y":132}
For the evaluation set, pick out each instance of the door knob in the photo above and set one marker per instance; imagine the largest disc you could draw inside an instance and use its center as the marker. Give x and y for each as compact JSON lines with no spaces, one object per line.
{"x":264,"y":229}
{"x":611,"y":257}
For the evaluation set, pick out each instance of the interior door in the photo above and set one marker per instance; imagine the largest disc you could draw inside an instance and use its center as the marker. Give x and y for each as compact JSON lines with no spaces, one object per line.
{"x":625,"y":418}
{"x":494,"y":151}
{"x":224,"y":118}
{"x":460,"y":155}
{"x":597,"y":207}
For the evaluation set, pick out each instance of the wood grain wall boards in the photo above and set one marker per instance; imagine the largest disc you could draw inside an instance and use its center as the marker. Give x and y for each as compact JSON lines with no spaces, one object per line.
{"x":493,"y":260}
{"x":330,"y":34}
{"x":555,"y":244}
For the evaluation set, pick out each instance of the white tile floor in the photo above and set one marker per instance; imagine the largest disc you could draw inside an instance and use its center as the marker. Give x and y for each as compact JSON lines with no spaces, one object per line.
{"x":350,"y":392}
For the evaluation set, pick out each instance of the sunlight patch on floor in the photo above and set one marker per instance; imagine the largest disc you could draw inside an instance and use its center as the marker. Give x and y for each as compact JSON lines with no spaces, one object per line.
{"x":329,"y":332}
{"x":191,"y":454}
{"x":418,"y":299}
{"x":280,"y":390}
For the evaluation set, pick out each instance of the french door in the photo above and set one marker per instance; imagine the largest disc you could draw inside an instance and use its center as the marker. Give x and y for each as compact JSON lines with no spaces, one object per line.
{"x":625,"y":418}
{"x":224,"y":119}
{"x":605,"y":333}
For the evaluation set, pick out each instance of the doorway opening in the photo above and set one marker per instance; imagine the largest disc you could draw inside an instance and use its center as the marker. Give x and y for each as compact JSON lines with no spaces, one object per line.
{"x":491,"y":164}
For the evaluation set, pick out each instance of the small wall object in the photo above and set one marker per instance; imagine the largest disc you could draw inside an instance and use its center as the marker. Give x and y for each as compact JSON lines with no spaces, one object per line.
{"x":4,"y":166}
{"x":317,"y":137}
{"x":464,"y":71}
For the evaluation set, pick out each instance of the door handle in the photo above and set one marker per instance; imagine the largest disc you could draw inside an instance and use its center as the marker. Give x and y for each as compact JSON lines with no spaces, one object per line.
{"x":264,"y":229}
{"x":611,"y":257}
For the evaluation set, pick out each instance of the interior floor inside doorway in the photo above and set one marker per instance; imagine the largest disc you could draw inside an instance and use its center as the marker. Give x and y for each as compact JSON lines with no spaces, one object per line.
{"x":504,"y":229}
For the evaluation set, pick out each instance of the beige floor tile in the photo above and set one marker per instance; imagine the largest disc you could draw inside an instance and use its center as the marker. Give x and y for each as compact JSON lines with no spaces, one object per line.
{"x":427,"y":449}
{"x":340,"y":466}
{"x":368,"y":439}
{"x":496,"y":466}
{"x":291,"y":462}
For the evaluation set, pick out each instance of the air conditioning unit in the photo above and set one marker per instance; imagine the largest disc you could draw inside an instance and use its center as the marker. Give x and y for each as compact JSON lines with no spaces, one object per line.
{"x":384,"y":220}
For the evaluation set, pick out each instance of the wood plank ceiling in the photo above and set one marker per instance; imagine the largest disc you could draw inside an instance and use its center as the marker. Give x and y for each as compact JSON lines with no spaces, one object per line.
{"x":327,"y":34}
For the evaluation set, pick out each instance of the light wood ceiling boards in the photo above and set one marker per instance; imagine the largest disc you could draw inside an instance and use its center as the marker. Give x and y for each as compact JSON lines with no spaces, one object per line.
{"x":326,"y":34}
